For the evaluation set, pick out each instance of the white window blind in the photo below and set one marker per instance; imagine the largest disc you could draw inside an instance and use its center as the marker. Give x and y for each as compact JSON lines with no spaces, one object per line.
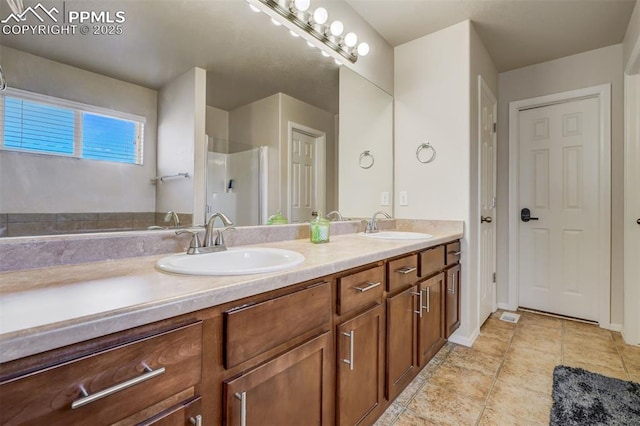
{"x":41,"y":124}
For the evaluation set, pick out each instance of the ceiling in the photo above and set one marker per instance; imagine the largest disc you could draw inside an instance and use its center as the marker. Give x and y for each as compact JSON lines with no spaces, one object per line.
{"x":516,"y":33}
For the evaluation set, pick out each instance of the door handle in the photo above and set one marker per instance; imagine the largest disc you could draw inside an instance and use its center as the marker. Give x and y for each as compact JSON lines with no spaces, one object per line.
{"x":486,"y":219}
{"x":525,"y":215}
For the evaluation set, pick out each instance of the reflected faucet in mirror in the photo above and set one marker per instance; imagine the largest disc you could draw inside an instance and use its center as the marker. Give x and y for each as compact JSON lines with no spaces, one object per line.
{"x":371,"y":226}
{"x":337,"y":215}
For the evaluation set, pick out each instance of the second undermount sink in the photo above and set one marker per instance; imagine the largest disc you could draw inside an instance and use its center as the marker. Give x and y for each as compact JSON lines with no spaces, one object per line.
{"x":234,"y":261}
{"x":397,"y":235}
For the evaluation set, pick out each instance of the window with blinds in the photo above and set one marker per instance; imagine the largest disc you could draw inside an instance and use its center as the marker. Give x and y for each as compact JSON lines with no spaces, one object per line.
{"x":41,"y":124}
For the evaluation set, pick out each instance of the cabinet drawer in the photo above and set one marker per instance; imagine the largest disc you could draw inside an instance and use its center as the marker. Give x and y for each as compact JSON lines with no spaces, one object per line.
{"x":432,"y":261}
{"x":453,"y":253}
{"x":118,"y":382}
{"x":402,"y":272}
{"x":255,"y":329}
{"x":360,"y":290}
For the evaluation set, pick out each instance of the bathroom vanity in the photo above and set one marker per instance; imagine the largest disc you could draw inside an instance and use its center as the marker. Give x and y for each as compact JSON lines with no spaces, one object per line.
{"x":332,"y":341}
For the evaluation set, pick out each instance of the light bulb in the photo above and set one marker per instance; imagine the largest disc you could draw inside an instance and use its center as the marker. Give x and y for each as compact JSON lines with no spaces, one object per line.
{"x":325,"y":54}
{"x":310,"y":44}
{"x":336,"y":28}
{"x":351,"y":39}
{"x":363,"y":49}
{"x":338,"y":63}
{"x":255,"y":9}
{"x":275,"y":22}
{"x":320,"y":15}
{"x":302,"y":5}
{"x":293,"y":33}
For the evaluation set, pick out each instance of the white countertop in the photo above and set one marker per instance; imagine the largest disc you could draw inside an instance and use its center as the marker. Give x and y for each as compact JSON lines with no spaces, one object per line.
{"x":47,"y":308}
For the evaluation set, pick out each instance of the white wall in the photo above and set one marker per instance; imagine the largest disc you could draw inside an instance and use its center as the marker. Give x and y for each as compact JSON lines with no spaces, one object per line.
{"x":366,"y":118}
{"x":600,"y":66}
{"x":217,"y":128}
{"x":632,"y":36}
{"x":66,"y":185}
{"x":182,"y":144}
{"x":432,"y":103}
{"x":295,"y":111}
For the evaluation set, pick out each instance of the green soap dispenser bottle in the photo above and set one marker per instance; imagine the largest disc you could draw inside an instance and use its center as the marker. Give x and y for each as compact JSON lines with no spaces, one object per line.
{"x":319,"y":229}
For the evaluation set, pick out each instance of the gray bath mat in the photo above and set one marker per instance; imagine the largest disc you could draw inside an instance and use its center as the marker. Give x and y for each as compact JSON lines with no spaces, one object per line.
{"x":584,"y":398}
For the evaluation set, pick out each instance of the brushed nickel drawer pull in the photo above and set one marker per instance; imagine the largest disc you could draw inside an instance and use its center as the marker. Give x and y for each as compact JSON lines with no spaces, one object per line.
{"x":406,"y":270}
{"x":428,"y":291}
{"x":455,"y":253}
{"x":88,"y":399}
{"x":242,"y":396}
{"x":419,"y":311}
{"x":350,"y":335}
{"x":369,"y":286}
{"x":196,"y":421}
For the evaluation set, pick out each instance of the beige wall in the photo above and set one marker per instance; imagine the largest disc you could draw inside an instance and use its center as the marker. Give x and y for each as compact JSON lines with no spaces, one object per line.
{"x":182,"y":145}
{"x":366,"y":117}
{"x":294,"y":111}
{"x":66,"y":185}
{"x":596,"y":67}
{"x":217,"y":128}
{"x":432,"y":103}
{"x":632,"y":36}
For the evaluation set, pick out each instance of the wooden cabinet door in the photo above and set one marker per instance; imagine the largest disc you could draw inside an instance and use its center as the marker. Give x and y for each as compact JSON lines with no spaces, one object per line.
{"x":452,"y":300}
{"x":292,"y":389}
{"x":431,"y":333}
{"x":188,"y":413}
{"x":360,"y":367}
{"x":402,"y":310}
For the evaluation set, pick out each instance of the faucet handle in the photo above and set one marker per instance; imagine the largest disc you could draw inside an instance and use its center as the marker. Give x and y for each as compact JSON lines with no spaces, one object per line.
{"x":367,"y":225}
{"x":220,"y":236}
{"x":194,"y":244}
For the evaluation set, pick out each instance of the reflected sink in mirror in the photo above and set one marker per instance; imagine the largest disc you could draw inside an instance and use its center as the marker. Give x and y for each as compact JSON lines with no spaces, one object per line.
{"x":396,"y":235}
{"x":234,"y":261}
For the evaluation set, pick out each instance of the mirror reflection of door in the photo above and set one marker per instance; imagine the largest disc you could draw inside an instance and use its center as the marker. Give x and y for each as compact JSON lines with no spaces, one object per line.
{"x":307,"y":184}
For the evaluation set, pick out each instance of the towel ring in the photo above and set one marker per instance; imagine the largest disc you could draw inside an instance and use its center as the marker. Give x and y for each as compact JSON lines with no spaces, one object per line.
{"x":366,"y":160}
{"x":423,"y":147}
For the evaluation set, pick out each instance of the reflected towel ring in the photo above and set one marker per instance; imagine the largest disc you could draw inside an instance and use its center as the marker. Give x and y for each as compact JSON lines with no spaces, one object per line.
{"x":3,"y":81}
{"x":422,"y":147}
{"x":366,"y":160}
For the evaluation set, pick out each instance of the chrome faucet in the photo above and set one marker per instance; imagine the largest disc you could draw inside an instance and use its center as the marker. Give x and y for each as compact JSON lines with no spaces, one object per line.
{"x":171,"y":215}
{"x":218,"y":240}
{"x":371,"y":226}
{"x":337,"y":215}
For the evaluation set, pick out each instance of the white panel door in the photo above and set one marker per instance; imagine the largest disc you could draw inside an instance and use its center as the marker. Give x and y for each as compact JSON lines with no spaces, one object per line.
{"x":303,"y":174}
{"x":487,"y":111}
{"x":558,"y":182}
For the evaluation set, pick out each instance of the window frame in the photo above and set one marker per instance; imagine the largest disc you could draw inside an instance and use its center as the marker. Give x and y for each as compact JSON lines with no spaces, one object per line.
{"x":78,"y":108}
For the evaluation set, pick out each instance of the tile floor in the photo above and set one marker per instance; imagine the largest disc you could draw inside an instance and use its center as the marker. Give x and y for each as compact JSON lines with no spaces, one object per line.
{"x":506,"y":377}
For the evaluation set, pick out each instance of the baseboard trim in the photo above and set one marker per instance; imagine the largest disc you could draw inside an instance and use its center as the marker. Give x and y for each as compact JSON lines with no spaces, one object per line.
{"x":464,"y":340}
{"x":505,"y":307}
{"x":613,"y":327}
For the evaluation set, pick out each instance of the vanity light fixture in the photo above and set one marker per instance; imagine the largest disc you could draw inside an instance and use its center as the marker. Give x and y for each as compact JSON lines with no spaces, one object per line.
{"x":314,"y":22}
{"x":255,"y":9}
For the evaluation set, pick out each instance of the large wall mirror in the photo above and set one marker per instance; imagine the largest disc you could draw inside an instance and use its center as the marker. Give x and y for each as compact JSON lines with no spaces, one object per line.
{"x":238,"y":116}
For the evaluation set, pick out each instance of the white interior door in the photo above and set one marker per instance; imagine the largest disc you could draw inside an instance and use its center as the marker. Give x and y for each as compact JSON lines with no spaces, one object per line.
{"x":303,"y":174}
{"x":558,"y":182}
{"x":487,"y":123}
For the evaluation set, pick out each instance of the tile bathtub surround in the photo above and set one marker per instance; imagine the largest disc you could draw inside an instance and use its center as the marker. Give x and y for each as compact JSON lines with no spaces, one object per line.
{"x":506,"y":378}
{"x":45,"y":251}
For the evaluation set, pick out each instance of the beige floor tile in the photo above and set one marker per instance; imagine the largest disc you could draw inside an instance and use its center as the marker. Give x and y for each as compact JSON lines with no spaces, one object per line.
{"x":409,"y":392}
{"x":630,"y":355}
{"x":497,"y":323}
{"x":390,"y":415}
{"x":609,"y":371}
{"x":542,"y":344}
{"x":491,"y":346}
{"x":532,"y":358}
{"x":408,"y":418}
{"x":497,"y":313}
{"x":474,"y":360}
{"x":586,"y":329}
{"x":541,"y":320}
{"x":429,"y":369}
{"x":617,"y":337}
{"x":539,"y":331}
{"x":494,"y":417}
{"x":634,"y":376}
{"x":497,"y":333}
{"x":536,"y":379}
{"x":592,"y":340}
{"x":522,"y":403}
{"x":572,"y":352}
{"x":469,"y":383}
{"x":445,"y":406}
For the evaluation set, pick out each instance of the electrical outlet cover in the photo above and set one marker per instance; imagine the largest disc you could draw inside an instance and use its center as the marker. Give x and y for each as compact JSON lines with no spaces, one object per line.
{"x":404,"y":198}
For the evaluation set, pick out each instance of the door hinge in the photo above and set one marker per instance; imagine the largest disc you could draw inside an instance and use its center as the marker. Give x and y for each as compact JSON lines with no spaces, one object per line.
{"x":495,"y":127}
{"x":494,"y":277}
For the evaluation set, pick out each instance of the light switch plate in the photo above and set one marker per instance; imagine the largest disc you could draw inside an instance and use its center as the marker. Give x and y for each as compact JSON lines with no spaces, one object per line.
{"x":384,"y":198}
{"x":404,"y":198}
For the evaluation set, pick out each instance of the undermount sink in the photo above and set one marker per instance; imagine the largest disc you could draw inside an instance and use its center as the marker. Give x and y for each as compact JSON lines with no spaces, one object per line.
{"x":397,"y":235}
{"x":234,"y":261}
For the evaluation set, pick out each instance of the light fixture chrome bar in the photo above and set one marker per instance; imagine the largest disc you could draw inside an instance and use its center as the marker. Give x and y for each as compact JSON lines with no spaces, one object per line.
{"x":308,"y":28}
